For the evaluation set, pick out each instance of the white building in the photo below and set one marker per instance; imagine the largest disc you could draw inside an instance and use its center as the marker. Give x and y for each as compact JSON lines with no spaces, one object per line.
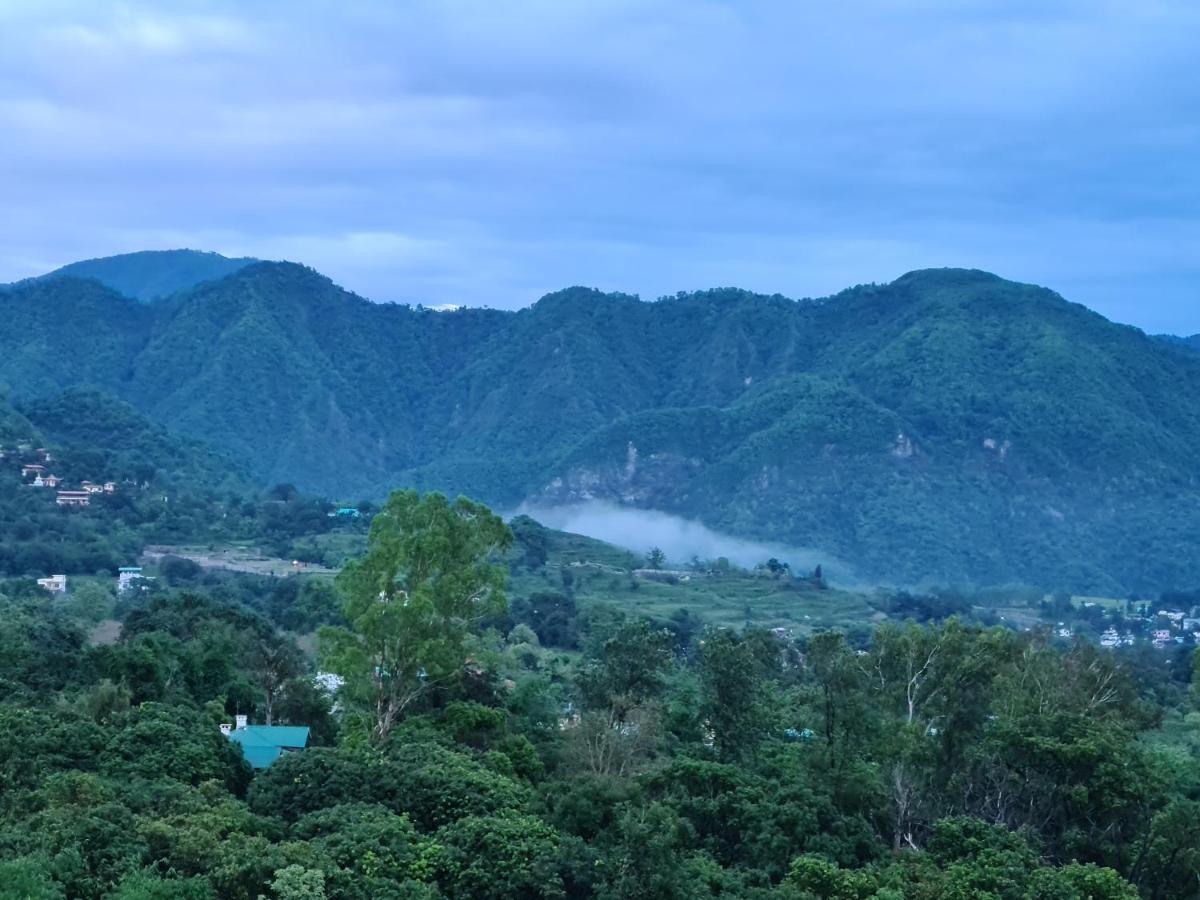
{"x":55,"y":584}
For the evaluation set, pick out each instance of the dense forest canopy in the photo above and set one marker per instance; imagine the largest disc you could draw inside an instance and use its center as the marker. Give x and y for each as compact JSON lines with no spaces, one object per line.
{"x":496,"y":710}
{"x":949,"y":426}
{"x":471,"y":738}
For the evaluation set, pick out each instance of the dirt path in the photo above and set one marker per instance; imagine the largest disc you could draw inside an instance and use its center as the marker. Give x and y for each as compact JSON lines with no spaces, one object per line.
{"x":237,"y":559}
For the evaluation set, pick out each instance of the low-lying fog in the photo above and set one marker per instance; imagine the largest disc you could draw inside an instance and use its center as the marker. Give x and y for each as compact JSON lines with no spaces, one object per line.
{"x":680,"y":539}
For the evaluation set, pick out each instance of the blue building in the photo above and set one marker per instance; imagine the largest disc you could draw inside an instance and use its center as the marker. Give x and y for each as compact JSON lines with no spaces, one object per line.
{"x":263,"y":744}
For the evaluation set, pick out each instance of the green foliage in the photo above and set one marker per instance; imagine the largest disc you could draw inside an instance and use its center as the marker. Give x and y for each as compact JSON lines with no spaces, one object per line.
{"x":498,"y":857}
{"x":926,"y":761}
{"x":410,"y":602}
{"x":950,"y":423}
{"x":437,"y":786}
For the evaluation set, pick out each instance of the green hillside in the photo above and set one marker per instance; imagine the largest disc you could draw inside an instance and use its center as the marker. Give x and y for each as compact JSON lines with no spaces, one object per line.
{"x":150,"y":274}
{"x":948,"y":426}
{"x":110,"y":436}
{"x":14,"y":427}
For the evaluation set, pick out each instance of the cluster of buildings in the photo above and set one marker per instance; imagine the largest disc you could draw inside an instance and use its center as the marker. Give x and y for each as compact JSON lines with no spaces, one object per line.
{"x":1111,"y":638}
{"x":42,"y":477}
{"x":1173,"y":628}
{"x":128,"y":577}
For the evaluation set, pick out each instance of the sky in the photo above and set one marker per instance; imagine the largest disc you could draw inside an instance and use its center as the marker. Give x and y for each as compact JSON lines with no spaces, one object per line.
{"x":486,"y":153}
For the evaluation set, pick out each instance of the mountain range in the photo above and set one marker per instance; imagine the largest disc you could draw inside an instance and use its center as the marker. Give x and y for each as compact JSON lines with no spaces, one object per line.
{"x":948,"y":426}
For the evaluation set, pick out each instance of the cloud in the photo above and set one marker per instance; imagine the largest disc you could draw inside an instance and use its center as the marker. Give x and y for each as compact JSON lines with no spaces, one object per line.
{"x":475,"y":153}
{"x":680,"y":539}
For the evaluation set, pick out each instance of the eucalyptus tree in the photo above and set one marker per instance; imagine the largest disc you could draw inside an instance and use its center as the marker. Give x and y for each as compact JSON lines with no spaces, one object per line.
{"x":429,"y":576}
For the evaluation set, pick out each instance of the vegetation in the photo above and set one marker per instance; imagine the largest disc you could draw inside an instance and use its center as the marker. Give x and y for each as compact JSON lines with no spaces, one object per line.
{"x":502,"y":710}
{"x":947,"y":427}
{"x":576,"y":753}
{"x":153,"y":274}
{"x":167,"y":490}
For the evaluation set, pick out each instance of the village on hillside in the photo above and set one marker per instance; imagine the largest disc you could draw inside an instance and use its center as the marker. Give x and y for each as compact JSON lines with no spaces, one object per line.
{"x":35,"y":465}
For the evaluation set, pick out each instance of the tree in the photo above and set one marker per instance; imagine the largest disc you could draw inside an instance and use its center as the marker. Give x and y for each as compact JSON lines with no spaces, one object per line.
{"x":632,"y":667}
{"x":732,"y":682}
{"x":91,"y":602}
{"x":655,"y":558}
{"x":501,"y":856}
{"x":276,"y":661}
{"x":298,"y":883}
{"x":428,"y":576}
{"x":777,"y":568}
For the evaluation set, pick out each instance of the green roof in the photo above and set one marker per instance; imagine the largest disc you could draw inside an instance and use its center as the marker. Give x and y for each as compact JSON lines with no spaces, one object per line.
{"x":263,"y":744}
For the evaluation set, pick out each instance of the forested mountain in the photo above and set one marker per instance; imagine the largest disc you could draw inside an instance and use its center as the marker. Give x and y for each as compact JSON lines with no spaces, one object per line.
{"x":948,"y":426}
{"x":150,"y":274}
{"x":13,"y":426}
{"x":164,"y":488}
{"x":112,"y":438}
{"x":1192,"y":343}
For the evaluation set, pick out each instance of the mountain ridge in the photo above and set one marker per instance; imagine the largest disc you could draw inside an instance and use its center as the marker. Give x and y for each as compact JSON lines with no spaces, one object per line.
{"x":148,"y":275}
{"x":950,"y":425}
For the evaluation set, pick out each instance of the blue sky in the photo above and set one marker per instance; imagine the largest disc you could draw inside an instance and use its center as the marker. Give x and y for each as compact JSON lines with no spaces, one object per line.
{"x":487,"y":153}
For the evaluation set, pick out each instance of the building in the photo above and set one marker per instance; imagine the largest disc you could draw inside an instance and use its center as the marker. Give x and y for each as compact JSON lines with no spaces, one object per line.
{"x":39,"y":481}
{"x":263,"y":744}
{"x":1162,"y":636}
{"x":91,"y":487}
{"x":52,"y":481}
{"x":31,"y":469}
{"x":55,"y":584}
{"x":126,"y":576}
{"x":73,"y":498}
{"x":110,"y":487}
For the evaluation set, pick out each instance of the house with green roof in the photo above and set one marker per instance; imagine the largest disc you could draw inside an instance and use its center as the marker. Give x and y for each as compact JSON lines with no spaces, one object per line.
{"x":263,"y":744}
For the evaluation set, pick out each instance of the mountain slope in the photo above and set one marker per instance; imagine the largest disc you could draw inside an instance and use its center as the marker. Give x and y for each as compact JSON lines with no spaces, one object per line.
{"x":62,"y":332}
{"x":948,"y":426}
{"x":150,"y":274}
{"x":102,"y":434}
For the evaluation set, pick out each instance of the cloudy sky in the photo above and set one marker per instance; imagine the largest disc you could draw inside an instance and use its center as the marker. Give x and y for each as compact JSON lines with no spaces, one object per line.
{"x":486,"y":153}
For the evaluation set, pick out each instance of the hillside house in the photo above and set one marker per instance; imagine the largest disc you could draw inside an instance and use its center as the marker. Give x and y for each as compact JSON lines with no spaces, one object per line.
{"x":263,"y":744}
{"x":126,"y":576}
{"x":1110,"y":638}
{"x":91,"y":487}
{"x":52,"y":481}
{"x":1162,"y":636}
{"x":73,"y":498}
{"x":55,"y":584}
{"x":110,"y":487}
{"x":32,"y":469}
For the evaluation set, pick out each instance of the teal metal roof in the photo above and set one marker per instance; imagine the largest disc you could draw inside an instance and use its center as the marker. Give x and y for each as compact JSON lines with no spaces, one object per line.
{"x":260,"y":757}
{"x":262,"y":744}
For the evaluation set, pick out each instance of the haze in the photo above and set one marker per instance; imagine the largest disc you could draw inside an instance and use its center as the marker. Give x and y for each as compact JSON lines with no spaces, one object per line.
{"x":484,"y":155}
{"x":680,"y":539}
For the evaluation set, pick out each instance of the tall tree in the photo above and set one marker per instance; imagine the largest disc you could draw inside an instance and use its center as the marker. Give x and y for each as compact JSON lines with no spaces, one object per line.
{"x":428,"y":576}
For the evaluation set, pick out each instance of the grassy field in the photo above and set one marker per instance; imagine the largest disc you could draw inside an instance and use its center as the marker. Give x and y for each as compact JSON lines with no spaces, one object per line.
{"x":595,"y":572}
{"x":235,"y":558}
